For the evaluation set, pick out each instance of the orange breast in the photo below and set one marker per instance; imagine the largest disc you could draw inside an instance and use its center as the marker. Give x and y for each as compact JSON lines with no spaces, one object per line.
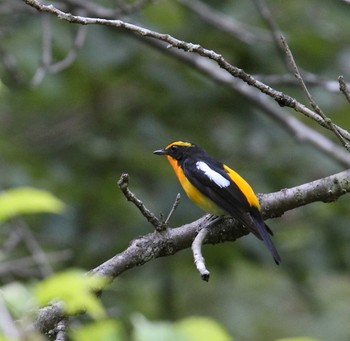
{"x":193,"y":193}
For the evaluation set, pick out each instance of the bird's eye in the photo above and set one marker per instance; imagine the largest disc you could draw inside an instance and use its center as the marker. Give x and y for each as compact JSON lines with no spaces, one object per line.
{"x":174,"y":148}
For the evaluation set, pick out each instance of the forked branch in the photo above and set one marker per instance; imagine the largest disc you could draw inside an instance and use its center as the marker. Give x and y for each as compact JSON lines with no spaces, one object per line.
{"x":343,"y":139}
{"x":281,"y":98}
{"x":123,"y":183}
{"x":170,"y":241}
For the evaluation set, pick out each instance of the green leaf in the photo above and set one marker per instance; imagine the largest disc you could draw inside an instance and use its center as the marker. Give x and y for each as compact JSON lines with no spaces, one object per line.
{"x":202,"y":329}
{"x":27,"y":200}
{"x":105,"y":330}
{"x":75,"y":289}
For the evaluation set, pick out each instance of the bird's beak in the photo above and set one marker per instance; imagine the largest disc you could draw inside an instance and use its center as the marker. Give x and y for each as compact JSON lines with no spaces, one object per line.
{"x":160,"y":152}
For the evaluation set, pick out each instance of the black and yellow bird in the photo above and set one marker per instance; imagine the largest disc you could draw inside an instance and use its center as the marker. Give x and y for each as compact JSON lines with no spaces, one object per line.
{"x":217,"y":189}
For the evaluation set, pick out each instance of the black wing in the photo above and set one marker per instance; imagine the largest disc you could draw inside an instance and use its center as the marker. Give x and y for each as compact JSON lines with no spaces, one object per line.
{"x":231,"y":199}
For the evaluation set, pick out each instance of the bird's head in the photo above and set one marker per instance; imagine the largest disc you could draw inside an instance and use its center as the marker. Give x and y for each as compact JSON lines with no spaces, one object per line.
{"x":176,"y":150}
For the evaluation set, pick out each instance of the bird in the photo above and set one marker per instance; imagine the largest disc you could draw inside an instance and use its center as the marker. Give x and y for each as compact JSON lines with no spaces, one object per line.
{"x":217,"y":189}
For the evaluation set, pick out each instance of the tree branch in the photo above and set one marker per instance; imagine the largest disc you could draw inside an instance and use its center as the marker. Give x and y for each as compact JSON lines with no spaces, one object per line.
{"x":292,"y":125}
{"x":168,"y":242}
{"x":281,"y":98}
{"x":327,"y":189}
{"x":273,"y":205}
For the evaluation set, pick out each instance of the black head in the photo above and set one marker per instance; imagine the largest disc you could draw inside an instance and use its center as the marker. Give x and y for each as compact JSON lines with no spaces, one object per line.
{"x":177,"y":150}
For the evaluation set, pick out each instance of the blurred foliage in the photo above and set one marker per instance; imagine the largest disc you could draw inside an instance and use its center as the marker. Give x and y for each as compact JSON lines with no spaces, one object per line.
{"x":105,"y":330}
{"x":78,"y":130}
{"x":188,"y":329}
{"x":24,"y":200}
{"x":75,"y":290}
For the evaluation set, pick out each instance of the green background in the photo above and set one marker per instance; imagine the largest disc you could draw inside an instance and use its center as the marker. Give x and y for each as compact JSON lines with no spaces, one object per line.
{"x":78,"y":130}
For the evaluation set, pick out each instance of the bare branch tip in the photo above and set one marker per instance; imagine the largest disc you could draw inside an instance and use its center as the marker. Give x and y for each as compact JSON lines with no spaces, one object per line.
{"x":123,"y":181}
{"x":344,"y":88}
{"x":174,"y":207}
{"x":199,"y":260}
{"x":205,"y":276}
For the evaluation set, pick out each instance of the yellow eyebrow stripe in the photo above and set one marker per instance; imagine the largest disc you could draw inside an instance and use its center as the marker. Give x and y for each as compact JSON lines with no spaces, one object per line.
{"x":179,"y":143}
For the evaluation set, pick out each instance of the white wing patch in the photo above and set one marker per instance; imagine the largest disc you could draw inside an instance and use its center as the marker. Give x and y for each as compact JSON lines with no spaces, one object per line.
{"x":212,"y":174}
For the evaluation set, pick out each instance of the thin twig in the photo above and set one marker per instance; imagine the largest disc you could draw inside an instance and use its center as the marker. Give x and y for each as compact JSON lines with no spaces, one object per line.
{"x":175,"y":205}
{"x":123,"y":183}
{"x":312,"y":102}
{"x":344,"y":88}
{"x":276,"y":33}
{"x":197,"y":243}
{"x":199,"y":260}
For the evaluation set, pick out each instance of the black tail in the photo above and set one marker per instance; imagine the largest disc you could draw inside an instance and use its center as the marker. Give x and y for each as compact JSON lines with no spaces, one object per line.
{"x":262,"y":231}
